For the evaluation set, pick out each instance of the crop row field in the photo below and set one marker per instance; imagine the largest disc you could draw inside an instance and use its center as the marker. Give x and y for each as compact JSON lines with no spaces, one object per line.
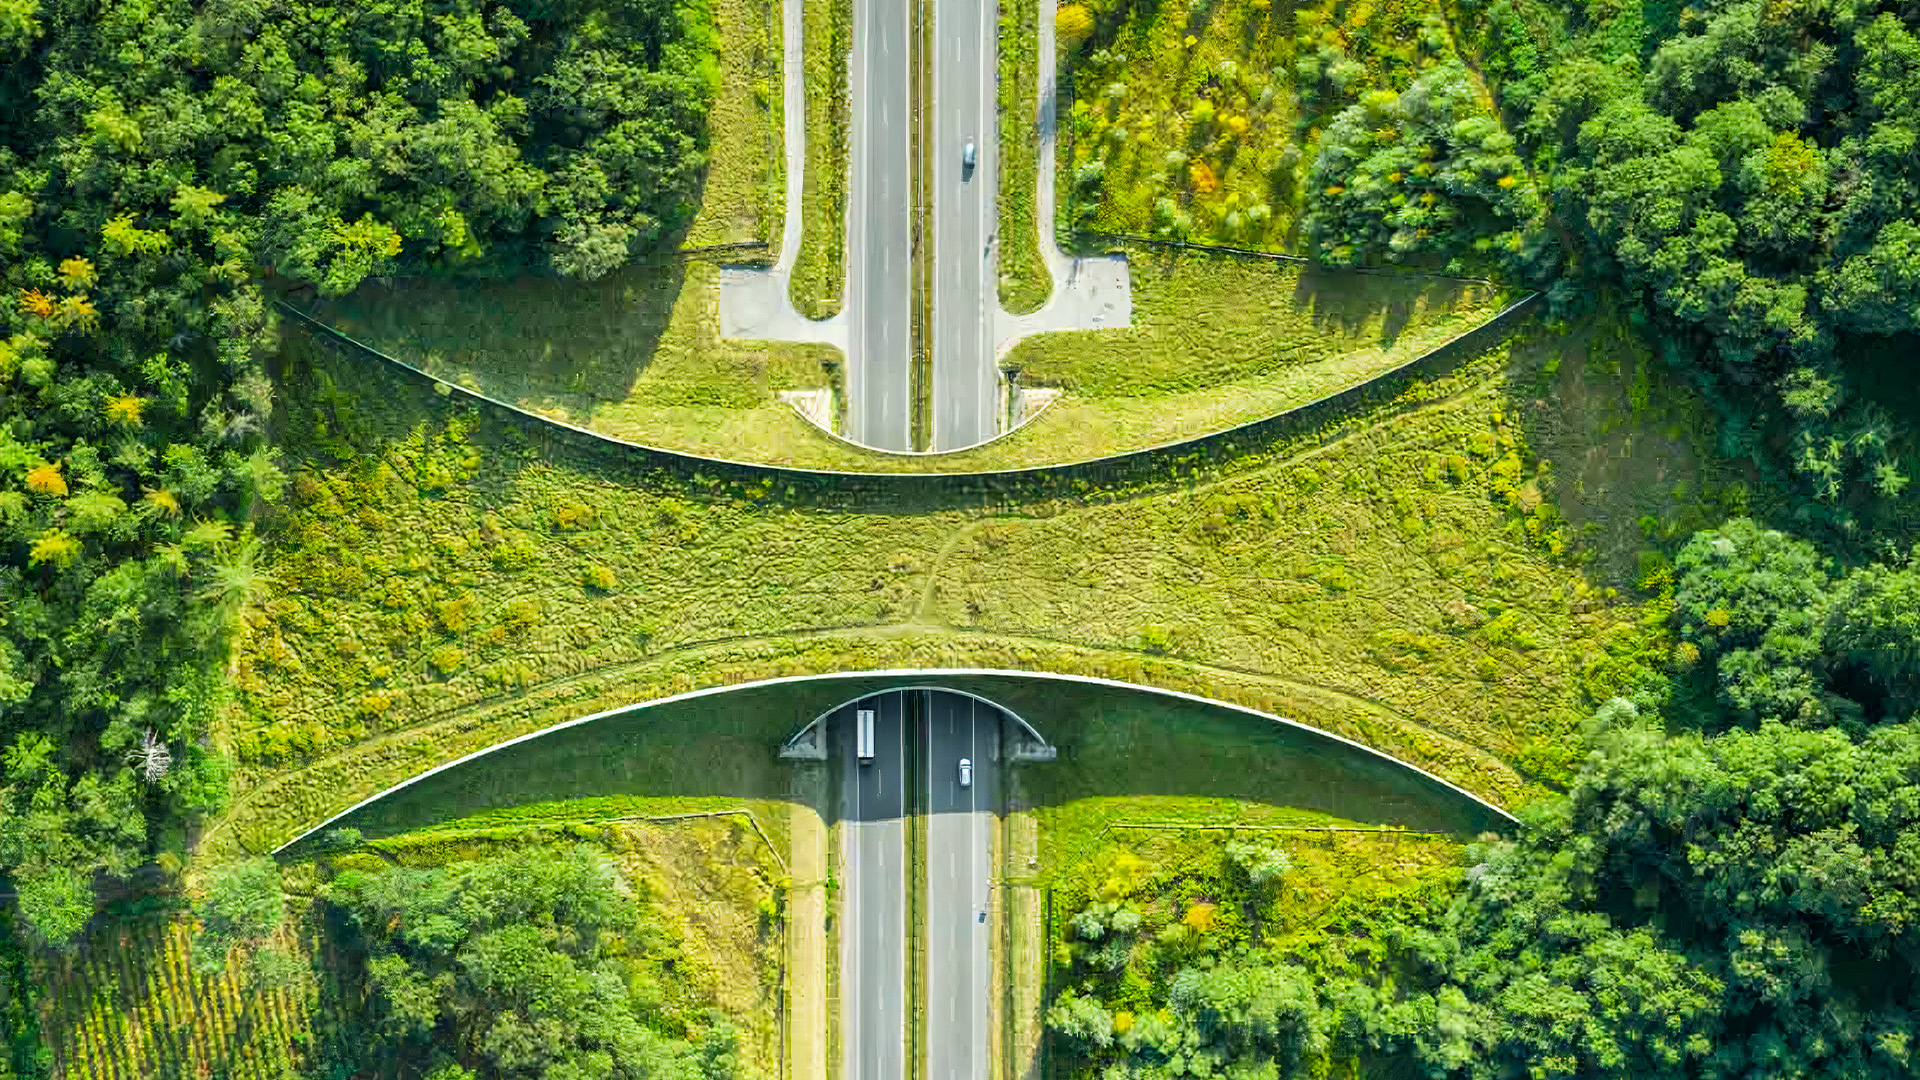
{"x":129,"y":1006}
{"x":1409,"y":581}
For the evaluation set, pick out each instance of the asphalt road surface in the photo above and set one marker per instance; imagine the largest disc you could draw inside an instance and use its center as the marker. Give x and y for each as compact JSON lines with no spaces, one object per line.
{"x":873,"y":927}
{"x":966,"y":390}
{"x":959,"y":869}
{"x":880,"y":230}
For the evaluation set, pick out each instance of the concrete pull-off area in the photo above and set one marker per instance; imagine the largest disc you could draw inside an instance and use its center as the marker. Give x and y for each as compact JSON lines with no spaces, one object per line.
{"x":1088,"y":293}
{"x":753,"y":302}
{"x":971,"y":398}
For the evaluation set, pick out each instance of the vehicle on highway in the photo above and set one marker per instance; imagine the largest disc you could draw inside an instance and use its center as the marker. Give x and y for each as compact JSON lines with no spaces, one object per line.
{"x":966,"y":772}
{"x":967,"y":158}
{"x":863,"y":735}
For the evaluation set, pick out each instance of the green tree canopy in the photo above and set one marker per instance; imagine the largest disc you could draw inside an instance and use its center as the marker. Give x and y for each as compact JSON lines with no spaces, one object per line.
{"x":1751,"y":173}
{"x":164,"y":162}
{"x":525,"y":965}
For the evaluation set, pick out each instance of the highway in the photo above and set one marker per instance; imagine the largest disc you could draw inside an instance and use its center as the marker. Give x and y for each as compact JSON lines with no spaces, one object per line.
{"x":880,"y":230}
{"x":966,"y":384}
{"x":873,"y":917}
{"x":959,"y":875}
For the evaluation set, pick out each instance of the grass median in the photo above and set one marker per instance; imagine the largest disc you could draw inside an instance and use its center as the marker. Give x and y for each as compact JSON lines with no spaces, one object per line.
{"x":1024,"y":281}
{"x":820,"y":275}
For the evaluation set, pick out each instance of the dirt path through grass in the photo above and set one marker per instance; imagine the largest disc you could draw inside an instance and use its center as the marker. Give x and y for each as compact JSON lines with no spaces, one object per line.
{"x":1391,"y":582}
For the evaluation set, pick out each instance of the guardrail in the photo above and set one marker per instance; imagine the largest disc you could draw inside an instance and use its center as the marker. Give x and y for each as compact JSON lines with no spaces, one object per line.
{"x":1102,"y":478}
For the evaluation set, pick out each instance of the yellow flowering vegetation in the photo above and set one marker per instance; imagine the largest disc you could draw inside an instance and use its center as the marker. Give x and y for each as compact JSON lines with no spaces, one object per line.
{"x":126,"y":409}
{"x":35,"y":302}
{"x":1200,"y":916}
{"x":77,"y":273}
{"x":162,"y":500}
{"x":77,"y":311}
{"x":46,"y":479}
{"x":54,"y":546}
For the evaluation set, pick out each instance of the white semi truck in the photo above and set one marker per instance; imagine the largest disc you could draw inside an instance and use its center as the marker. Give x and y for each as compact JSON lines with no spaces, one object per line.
{"x":863,"y":735}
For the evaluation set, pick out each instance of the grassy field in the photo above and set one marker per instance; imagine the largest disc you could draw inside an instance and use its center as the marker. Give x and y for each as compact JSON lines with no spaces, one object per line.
{"x":1024,"y":281}
{"x":637,"y":355}
{"x":1215,"y":342}
{"x":740,"y":199}
{"x":1218,"y":341}
{"x":440,"y":585}
{"x":1216,"y":107}
{"x":1174,"y":869}
{"x":1175,"y":846}
{"x":820,"y":274}
{"x":127,"y":1005}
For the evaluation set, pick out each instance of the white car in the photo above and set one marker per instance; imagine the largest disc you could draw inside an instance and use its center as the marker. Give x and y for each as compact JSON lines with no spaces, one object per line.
{"x":966,"y":772}
{"x":967,"y":157}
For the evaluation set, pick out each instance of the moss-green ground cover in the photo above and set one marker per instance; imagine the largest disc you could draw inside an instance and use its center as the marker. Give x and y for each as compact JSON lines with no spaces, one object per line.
{"x":440,"y":585}
{"x":716,"y":753}
{"x":1218,"y":341}
{"x":1200,"y":119}
{"x":637,"y":355}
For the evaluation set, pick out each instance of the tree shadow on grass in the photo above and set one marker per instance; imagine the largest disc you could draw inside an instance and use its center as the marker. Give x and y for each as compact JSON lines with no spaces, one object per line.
{"x":1346,"y":301}
{"x":538,"y":341}
{"x":1112,"y":741}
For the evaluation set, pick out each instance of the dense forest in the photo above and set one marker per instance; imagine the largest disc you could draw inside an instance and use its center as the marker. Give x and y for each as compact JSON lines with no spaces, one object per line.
{"x":164,"y":166}
{"x":541,"y":964}
{"x":1746,"y":170}
{"x":1728,"y":887}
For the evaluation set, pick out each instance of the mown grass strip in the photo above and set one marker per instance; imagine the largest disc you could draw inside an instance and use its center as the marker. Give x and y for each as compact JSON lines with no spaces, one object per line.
{"x":1024,"y":282}
{"x":1083,"y":430}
